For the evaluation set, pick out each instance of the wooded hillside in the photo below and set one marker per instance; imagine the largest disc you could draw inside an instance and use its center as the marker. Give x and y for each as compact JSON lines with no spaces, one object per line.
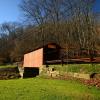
{"x":69,"y":24}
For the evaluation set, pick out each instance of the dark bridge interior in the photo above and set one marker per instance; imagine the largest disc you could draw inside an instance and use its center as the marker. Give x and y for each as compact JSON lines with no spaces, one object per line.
{"x":30,"y":72}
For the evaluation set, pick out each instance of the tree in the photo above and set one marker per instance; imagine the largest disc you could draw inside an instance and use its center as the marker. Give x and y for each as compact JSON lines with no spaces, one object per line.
{"x":69,"y":23}
{"x":75,"y":17}
{"x":8,"y":37}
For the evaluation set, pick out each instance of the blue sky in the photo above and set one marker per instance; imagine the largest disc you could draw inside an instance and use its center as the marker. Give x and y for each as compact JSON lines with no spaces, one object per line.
{"x":97,"y":6}
{"x":9,"y":10}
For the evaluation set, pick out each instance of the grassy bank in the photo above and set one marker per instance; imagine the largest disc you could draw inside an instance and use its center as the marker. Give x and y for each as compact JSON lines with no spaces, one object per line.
{"x":7,"y":66}
{"x":82,"y":68}
{"x":46,"y":89}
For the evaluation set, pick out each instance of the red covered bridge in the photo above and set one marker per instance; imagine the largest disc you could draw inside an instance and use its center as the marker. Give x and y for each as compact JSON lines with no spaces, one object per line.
{"x":34,"y":60}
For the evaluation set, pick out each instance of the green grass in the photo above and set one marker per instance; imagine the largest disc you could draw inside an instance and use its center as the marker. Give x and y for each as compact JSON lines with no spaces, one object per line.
{"x":46,"y":89}
{"x":7,"y":66}
{"x":82,"y":68}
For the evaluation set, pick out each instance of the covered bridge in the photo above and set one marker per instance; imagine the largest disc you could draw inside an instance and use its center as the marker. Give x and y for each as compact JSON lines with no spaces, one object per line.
{"x":33,"y":61}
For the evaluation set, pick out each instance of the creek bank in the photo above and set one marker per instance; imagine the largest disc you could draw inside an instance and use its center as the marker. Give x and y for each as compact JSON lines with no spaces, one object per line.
{"x":9,"y":73}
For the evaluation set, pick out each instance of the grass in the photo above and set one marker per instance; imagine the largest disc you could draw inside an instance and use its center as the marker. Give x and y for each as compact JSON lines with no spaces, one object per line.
{"x":46,"y":89}
{"x":7,"y":66}
{"x":83,"y":68}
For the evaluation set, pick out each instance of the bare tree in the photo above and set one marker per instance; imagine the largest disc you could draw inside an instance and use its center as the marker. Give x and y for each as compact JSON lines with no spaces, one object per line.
{"x":67,"y":20}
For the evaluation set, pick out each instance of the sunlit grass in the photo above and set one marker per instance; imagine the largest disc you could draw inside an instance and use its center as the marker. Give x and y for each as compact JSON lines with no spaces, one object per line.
{"x":46,"y":89}
{"x":82,"y":68}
